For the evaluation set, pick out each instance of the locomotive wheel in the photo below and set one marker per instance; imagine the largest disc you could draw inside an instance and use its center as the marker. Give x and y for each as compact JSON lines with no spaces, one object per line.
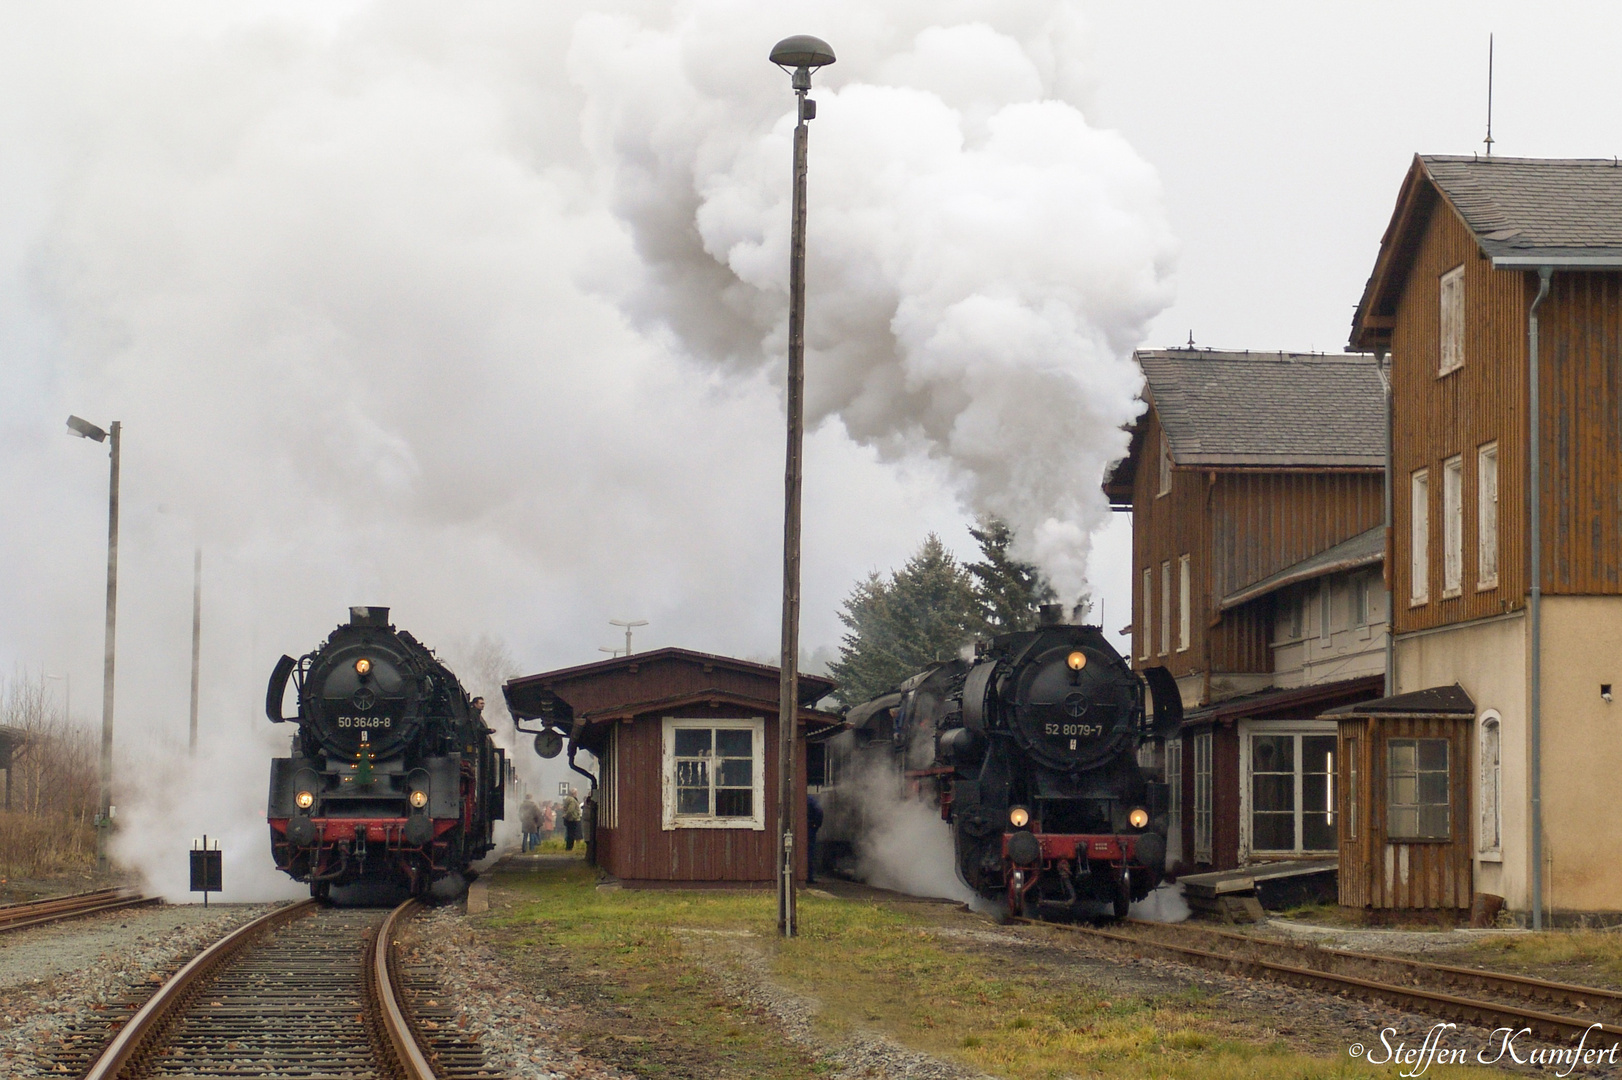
{"x":321,"y":890}
{"x":1123,"y":894}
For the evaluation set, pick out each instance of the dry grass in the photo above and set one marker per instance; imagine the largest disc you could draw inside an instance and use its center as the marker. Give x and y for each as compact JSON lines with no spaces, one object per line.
{"x":879,"y":968}
{"x":53,"y":785}
{"x":1580,"y":956}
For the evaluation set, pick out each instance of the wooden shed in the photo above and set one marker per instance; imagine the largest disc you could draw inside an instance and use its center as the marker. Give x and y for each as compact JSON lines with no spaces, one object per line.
{"x":1405,"y":837}
{"x":687,"y":761}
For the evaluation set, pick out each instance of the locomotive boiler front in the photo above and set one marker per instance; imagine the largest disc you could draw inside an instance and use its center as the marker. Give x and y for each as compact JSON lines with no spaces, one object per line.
{"x":392,"y":774}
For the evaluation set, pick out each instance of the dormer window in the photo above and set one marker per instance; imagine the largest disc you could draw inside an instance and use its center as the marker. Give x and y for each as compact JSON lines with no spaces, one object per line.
{"x":1452,"y":320}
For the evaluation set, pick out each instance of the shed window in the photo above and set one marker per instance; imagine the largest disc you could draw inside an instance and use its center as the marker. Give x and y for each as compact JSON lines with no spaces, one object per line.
{"x":1351,"y":789}
{"x":1174,"y":796}
{"x":1452,"y":526}
{"x":1417,"y":796}
{"x":608,"y":782}
{"x":714,"y":774}
{"x":1165,"y":466}
{"x":1452,"y":329}
{"x":1492,"y":791}
{"x":1487,"y":516}
{"x":1202,"y":797}
{"x":1419,"y":559}
{"x":1184,"y":588}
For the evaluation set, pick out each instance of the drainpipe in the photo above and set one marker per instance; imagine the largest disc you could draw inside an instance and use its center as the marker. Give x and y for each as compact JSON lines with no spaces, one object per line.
{"x":1390,"y":571}
{"x":1535,"y":498}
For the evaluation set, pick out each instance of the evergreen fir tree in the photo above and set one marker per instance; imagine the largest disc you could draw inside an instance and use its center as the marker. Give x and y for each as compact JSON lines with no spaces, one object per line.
{"x":1008,"y":592}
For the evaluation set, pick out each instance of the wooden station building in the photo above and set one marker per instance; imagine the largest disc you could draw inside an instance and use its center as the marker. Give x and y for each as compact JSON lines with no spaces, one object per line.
{"x":1497,"y":293}
{"x":686,"y":745}
{"x":1254,"y":480}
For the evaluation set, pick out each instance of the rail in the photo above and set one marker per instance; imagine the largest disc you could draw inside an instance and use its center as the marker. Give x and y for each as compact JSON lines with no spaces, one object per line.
{"x":1153,"y":937}
{"x":57,"y":908}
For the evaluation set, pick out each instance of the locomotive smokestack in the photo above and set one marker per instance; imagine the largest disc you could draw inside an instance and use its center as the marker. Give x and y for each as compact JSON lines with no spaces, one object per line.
{"x":369,"y":616}
{"x":1050,"y":614}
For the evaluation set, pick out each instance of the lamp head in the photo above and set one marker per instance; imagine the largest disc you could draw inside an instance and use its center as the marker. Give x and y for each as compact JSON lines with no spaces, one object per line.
{"x":804,"y":54}
{"x":85,"y":429}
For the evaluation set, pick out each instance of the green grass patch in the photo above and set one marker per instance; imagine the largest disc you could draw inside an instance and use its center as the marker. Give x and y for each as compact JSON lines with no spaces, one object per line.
{"x":1010,"y":1011}
{"x":1581,"y":956}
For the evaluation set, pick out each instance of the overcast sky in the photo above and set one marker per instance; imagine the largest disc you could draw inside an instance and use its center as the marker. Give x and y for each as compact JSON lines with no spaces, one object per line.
{"x":478,"y":312}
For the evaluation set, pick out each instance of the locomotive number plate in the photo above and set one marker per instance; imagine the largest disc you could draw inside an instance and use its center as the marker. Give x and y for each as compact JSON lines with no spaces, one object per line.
{"x":372,"y":721}
{"x":1085,"y":731}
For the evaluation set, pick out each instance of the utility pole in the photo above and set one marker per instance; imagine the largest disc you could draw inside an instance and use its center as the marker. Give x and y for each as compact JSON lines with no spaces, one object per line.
{"x":196,"y":639}
{"x":803,"y":54}
{"x":85,"y":429}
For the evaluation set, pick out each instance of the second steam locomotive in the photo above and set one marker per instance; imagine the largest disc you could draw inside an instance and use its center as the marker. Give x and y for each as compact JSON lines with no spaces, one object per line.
{"x":1030,"y":752}
{"x":393,"y":776}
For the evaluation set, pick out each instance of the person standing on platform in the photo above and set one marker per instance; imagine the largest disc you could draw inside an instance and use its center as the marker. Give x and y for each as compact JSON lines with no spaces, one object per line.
{"x":571,"y":819}
{"x":529,"y":817}
{"x":549,"y":819}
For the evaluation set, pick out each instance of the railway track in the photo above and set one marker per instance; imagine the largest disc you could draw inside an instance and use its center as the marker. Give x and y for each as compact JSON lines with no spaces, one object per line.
{"x":305,"y":991}
{"x":58,"y":908}
{"x":1490,"y":999}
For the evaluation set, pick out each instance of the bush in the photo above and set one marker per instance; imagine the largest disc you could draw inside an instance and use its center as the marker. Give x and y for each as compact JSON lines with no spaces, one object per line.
{"x":52,"y":783}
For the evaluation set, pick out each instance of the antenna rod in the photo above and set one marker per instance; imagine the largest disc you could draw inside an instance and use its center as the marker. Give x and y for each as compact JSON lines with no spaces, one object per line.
{"x":1489,"y":96}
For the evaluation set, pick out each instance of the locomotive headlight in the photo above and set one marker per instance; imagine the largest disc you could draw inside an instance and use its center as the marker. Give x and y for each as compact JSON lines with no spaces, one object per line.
{"x":1077,"y":660}
{"x":304,"y":799}
{"x":419,"y":798}
{"x":1019,"y":817}
{"x":1139,"y":817}
{"x":362,"y":666}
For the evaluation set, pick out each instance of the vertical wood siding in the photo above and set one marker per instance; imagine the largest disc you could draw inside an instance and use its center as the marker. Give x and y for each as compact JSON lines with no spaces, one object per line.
{"x":641,"y":849}
{"x":1164,"y":528}
{"x":1376,"y":872}
{"x":1434,"y":418}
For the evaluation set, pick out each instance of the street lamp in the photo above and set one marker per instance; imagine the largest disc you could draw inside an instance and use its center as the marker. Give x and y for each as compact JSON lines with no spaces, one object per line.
{"x":86,"y":430}
{"x":628,"y":624}
{"x":803,"y":54}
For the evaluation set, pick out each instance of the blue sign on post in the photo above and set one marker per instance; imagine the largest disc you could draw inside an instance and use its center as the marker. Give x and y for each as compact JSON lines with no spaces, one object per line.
{"x":205,"y":867}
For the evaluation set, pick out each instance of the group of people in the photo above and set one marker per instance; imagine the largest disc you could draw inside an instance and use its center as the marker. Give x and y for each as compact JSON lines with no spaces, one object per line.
{"x":539,"y":821}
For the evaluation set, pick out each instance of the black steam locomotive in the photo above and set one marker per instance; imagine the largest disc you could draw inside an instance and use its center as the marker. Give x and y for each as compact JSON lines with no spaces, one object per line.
{"x":393,"y":776}
{"x":1030,"y":751}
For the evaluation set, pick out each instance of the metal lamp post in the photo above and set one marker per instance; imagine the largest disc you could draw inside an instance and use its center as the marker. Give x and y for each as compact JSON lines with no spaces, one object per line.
{"x":803,"y":54}
{"x":85,"y":429}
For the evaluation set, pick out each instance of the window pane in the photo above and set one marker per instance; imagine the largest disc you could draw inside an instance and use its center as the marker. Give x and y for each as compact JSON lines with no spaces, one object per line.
{"x":1319,"y":832}
{"x":734,"y":802}
{"x":1315,"y":751}
{"x":1402,"y":756}
{"x":1315,"y":794}
{"x":1404,"y":821}
{"x":1433,"y":753}
{"x":1433,"y":821}
{"x":1273,"y":792}
{"x":692,"y":742}
{"x":1404,"y":790}
{"x":734,"y":772}
{"x":732,"y":742}
{"x":693,"y":774}
{"x":1274,"y":832}
{"x":1272,"y":753}
{"x":1433,"y":788}
{"x":693,"y":800}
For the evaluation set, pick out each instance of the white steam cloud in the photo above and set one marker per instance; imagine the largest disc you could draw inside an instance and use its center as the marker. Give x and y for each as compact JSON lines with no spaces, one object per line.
{"x":478,"y":312}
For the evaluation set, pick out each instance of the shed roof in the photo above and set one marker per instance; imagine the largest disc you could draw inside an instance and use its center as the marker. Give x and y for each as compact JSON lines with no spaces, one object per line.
{"x":1442,"y":701}
{"x":1564,"y":213}
{"x":1364,"y":549}
{"x":1223,"y":408}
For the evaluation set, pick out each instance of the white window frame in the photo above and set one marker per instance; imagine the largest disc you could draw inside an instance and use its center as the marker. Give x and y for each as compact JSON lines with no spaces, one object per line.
{"x":1247,"y":845}
{"x":1419,"y":521}
{"x":1165,"y":465}
{"x":1174,"y":801}
{"x":1185,"y":621}
{"x":1148,"y":647}
{"x":667,"y":773}
{"x":1490,"y":743}
{"x":1453,"y":526}
{"x":1165,"y":607}
{"x":1451,"y":329}
{"x":1487,"y":516}
{"x":1204,"y":819}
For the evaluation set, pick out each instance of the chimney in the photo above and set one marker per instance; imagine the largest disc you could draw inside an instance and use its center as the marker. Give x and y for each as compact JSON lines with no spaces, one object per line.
{"x":1050,"y":615}
{"x":369,"y":616}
